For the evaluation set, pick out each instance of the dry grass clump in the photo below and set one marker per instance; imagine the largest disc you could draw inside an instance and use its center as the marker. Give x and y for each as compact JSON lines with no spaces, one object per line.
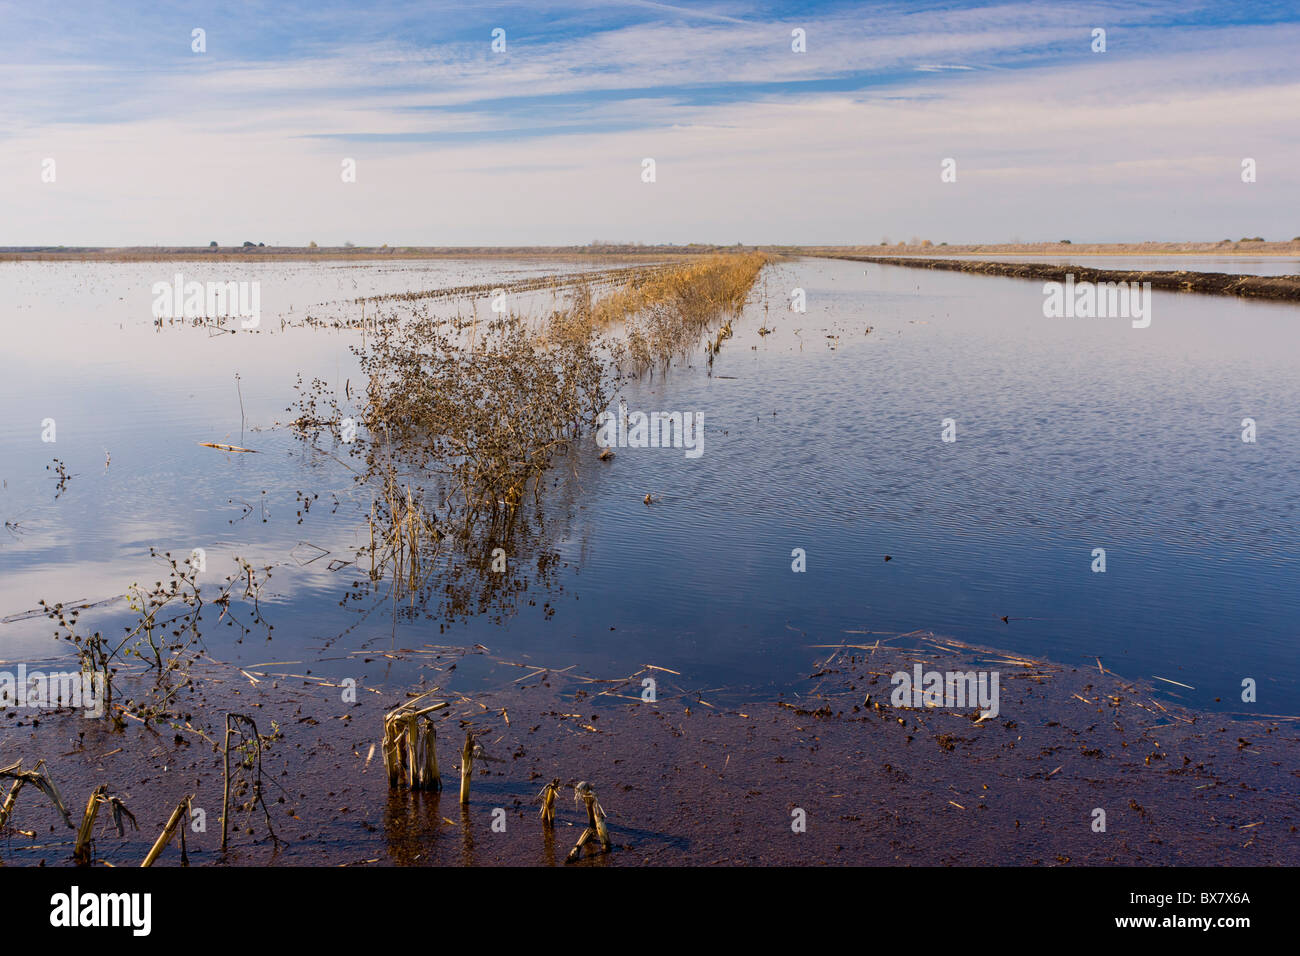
{"x":484,"y":422}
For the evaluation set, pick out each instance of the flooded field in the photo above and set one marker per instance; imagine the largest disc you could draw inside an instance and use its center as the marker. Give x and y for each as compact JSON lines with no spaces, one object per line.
{"x":822,"y":508}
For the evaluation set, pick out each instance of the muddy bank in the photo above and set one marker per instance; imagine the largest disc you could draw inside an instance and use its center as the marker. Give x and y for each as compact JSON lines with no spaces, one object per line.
{"x":690,"y":780}
{"x":1223,"y":247}
{"x":1209,"y":283}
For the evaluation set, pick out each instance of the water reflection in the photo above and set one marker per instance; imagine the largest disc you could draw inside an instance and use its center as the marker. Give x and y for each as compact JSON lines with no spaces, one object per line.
{"x":822,"y":435}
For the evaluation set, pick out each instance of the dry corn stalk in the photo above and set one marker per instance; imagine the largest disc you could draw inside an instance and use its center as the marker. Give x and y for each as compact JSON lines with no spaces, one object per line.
{"x":410,"y":746}
{"x":466,"y":766}
{"x":168,"y":832}
{"x":547,"y":796}
{"x":81,"y":851}
{"x":8,"y":806}
{"x":39,"y":778}
{"x":595,"y":821}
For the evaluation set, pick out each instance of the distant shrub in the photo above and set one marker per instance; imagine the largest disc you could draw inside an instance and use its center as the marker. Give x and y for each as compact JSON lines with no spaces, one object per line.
{"x":212,"y":244}
{"x":312,"y":245}
{"x":1251,"y":239}
{"x":1064,"y":242}
{"x":248,"y":245}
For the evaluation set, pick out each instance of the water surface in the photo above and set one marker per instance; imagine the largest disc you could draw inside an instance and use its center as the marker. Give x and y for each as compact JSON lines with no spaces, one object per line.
{"x":1072,"y":435}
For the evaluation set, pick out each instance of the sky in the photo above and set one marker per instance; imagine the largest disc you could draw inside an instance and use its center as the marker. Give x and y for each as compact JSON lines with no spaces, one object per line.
{"x":544,"y":142}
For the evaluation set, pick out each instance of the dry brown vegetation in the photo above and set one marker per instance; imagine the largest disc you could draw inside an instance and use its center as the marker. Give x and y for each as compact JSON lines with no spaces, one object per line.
{"x":667,"y":313}
{"x":481,"y":422}
{"x":461,"y":418}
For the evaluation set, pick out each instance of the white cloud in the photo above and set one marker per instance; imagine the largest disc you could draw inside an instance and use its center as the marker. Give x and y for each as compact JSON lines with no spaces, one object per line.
{"x":1041,"y":150}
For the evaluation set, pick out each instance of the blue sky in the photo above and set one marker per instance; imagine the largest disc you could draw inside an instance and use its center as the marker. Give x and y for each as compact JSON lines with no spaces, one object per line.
{"x":543,"y":143}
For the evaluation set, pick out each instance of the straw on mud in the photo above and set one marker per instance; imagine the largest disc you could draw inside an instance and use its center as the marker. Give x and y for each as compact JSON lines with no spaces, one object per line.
{"x":577,"y":848}
{"x":168,"y":832}
{"x":120,"y":813}
{"x":392,"y":753}
{"x":431,"y":778}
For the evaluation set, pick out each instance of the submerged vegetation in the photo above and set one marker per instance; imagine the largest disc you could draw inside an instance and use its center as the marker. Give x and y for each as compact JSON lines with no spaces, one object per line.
{"x":461,"y":419}
{"x":667,"y":314}
{"x":483,"y":421}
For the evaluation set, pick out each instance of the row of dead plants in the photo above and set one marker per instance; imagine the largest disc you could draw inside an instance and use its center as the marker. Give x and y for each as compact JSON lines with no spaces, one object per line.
{"x":667,"y":314}
{"x":460,"y":420}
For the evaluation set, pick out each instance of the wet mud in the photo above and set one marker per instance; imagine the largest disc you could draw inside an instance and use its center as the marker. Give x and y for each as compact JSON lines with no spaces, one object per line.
{"x":829,"y":772}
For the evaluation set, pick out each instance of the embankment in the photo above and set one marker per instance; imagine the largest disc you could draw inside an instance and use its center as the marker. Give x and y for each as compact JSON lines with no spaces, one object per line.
{"x":1208,"y":283}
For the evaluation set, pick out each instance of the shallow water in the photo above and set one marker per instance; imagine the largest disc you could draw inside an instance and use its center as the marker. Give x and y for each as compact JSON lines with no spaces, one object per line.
{"x":1072,"y":434}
